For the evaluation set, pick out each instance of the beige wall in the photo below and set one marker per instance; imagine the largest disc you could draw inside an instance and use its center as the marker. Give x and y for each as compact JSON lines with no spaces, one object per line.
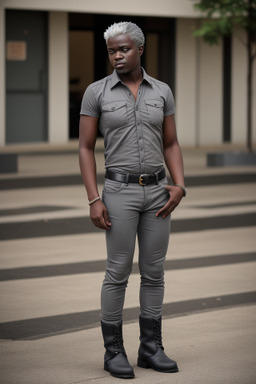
{"x":186,"y":83}
{"x":198,"y":88}
{"x":239,"y":73}
{"x":210,"y":94}
{"x":199,"y":96}
{"x":174,"y":8}
{"x":239,"y":90}
{"x":58,"y":78}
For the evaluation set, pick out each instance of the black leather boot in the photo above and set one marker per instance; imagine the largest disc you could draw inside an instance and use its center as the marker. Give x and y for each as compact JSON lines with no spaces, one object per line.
{"x":151,"y":350}
{"x":115,"y":359}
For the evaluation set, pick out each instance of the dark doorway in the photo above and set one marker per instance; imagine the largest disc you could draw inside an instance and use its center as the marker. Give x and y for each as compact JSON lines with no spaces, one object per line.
{"x":227,"y":67}
{"x":26,"y":76}
{"x":88,"y":59}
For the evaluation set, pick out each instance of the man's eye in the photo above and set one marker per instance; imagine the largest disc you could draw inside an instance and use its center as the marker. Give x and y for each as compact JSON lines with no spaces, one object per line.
{"x":125,"y":49}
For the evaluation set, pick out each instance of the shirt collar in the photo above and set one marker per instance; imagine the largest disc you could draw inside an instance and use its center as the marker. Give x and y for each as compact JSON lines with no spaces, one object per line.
{"x":115,"y":79}
{"x":146,"y":77}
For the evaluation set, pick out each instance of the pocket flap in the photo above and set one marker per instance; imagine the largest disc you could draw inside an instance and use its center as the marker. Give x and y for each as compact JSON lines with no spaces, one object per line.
{"x":113,"y":106}
{"x":155,"y":103}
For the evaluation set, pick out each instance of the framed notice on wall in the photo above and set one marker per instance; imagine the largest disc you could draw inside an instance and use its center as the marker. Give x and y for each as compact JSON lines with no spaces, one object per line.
{"x":16,"y":50}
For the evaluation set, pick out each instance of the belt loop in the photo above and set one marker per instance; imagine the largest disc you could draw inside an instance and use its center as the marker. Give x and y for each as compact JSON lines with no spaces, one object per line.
{"x":127,"y":178}
{"x":156,"y":175}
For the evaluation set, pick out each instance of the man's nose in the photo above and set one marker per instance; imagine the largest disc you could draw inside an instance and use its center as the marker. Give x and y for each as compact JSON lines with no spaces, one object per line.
{"x":118,"y":55}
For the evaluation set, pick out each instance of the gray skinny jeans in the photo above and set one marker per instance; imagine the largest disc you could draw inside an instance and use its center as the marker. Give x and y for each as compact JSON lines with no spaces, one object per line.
{"x":132,"y":209}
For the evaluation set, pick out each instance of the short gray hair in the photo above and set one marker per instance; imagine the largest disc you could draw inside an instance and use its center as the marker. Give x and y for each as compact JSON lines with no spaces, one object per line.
{"x":124,"y":27}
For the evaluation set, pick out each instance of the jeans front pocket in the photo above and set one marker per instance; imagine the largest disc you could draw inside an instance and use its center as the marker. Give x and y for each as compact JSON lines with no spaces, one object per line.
{"x":112,"y":186}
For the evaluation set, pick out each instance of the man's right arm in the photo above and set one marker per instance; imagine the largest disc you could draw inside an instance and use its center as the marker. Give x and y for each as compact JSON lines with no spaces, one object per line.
{"x":88,"y":129}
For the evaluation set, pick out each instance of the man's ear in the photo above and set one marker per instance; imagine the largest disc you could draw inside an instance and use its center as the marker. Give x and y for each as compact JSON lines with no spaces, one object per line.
{"x":141,"y":50}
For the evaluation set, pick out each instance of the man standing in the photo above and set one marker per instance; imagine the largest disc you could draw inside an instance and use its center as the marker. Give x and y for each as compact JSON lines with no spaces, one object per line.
{"x":135,"y":114}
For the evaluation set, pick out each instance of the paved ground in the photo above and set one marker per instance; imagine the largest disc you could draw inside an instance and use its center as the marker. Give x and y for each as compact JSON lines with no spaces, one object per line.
{"x":52,"y":265}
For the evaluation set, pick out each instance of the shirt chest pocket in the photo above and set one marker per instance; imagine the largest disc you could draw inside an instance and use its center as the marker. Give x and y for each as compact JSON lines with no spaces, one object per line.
{"x":114,"y":114}
{"x":155,"y":110}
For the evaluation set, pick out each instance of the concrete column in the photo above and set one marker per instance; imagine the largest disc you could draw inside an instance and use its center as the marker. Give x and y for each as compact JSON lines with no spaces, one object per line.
{"x":239,"y":93}
{"x":186,"y":82}
{"x":211,"y":94}
{"x":58,"y":122}
{"x":198,"y":88}
{"x":239,"y":90}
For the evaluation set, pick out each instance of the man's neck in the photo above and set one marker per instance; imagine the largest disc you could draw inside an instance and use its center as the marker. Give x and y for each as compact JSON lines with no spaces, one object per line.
{"x":132,"y":78}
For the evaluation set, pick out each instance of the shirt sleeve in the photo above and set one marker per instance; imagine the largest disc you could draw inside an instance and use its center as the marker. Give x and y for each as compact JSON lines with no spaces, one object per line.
{"x":89,"y":105}
{"x":169,"y":107}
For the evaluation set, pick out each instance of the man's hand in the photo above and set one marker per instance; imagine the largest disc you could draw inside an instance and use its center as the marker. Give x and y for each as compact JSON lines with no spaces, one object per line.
{"x":176,"y":195}
{"x":99,"y":215}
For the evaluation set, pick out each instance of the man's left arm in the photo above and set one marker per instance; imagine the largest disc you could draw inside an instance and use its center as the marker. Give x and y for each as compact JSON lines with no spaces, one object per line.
{"x":174,"y":162}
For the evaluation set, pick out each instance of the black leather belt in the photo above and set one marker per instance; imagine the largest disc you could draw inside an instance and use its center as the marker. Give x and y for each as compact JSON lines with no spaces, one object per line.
{"x":143,"y":179}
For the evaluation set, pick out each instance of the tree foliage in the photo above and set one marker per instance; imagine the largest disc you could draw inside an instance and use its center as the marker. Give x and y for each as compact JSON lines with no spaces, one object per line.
{"x":223,"y":15}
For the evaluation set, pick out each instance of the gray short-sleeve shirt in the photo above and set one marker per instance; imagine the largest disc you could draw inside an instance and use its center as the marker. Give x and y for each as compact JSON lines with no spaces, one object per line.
{"x":132,"y":129}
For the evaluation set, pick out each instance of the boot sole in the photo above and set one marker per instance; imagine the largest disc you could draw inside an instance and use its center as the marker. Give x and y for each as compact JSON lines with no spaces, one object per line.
{"x":119,"y":376}
{"x":145,"y":365}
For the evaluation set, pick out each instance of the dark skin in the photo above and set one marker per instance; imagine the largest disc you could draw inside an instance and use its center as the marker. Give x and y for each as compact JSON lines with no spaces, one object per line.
{"x":124,"y":56}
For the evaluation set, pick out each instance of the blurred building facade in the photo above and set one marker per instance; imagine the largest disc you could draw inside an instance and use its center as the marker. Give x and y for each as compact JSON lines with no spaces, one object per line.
{"x":52,"y":50}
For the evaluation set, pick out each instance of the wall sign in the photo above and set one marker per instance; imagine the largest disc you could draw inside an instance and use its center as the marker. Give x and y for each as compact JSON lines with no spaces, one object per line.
{"x":16,"y":50}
